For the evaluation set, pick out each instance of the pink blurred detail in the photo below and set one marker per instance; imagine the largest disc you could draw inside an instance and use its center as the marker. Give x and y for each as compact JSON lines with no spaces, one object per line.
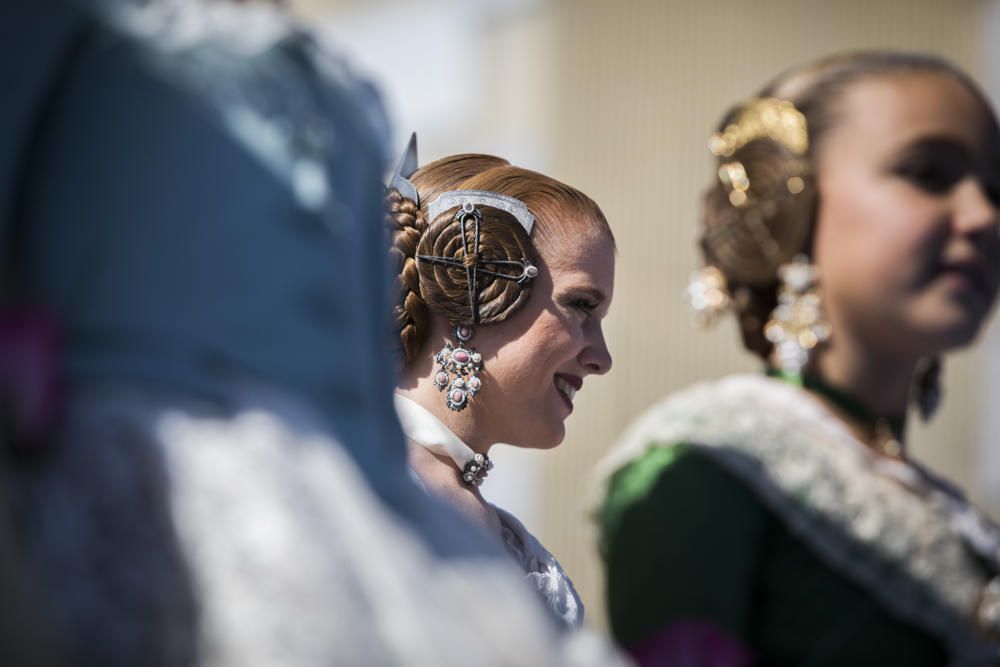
{"x":30,"y":391}
{"x":692,"y":644}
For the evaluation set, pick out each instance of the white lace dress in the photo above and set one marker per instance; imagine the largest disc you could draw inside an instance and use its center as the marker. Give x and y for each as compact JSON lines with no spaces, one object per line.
{"x":541,"y":568}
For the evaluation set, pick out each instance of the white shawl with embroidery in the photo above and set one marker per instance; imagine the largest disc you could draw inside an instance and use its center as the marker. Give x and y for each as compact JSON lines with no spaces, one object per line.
{"x":909,"y":539}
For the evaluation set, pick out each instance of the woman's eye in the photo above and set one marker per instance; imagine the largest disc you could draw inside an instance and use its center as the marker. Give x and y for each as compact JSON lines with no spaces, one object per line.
{"x":930,"y":176}
{"x":584,"y":305}
{"x":991,"y":186}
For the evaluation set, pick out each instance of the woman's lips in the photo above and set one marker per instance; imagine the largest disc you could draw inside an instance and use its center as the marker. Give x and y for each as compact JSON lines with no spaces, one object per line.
{"x":567,"y":386}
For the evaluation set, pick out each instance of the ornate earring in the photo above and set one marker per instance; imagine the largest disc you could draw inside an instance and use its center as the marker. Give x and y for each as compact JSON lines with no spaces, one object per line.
{"x":708,"y":295}
{"x":459,"y":371}
{"x":797,"y":326}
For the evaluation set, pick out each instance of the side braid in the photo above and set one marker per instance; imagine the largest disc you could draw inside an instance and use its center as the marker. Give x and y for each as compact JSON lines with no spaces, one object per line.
{"x":406,"y":227}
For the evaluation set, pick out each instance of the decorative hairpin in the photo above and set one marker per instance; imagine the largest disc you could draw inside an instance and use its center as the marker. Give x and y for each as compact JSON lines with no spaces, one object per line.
{"x":464,"y":198}
{"x":408,"y":165}
{"x":472,"y":270}
{"x":455,"y":360}
{"x":406,"y":168}
{"x":763,"y":118}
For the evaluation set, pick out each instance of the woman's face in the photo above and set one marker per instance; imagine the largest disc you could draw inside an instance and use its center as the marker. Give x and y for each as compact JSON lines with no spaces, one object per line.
{"x":534,"y":363}
{"x":907,"y":232}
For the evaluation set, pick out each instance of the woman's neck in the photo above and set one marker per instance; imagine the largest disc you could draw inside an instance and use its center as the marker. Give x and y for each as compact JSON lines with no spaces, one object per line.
{"x":869,"y":391}
{"x":880,"y":381}
{"x":423,"y":392}
{"x":439,"y":471}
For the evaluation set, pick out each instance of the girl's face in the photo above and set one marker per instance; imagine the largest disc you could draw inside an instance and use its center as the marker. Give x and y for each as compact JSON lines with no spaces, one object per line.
{"x":534,"y":363}
{"x":907,"y":238}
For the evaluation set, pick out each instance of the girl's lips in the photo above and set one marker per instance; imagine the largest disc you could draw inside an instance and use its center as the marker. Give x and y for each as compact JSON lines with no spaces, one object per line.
{"x":969,"y":275}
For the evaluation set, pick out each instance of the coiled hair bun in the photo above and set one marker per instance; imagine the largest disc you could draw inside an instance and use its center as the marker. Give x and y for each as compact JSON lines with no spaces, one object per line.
{"x":759,"y":209}
{"x":445,"y":289}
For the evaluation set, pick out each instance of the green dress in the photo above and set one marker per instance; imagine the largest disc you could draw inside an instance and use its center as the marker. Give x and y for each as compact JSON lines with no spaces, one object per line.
{"x":744,"y":505}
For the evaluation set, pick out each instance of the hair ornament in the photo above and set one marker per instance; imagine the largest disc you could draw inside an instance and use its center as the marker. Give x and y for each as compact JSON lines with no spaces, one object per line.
{"x":472,"y":263}
{"x":476,"y":198}
{"x":797,"y":325}
{"x":763,"y":118}
{"x":407,"y":166}
{"x":459,"y":367}
{"x":764,"y":174}
{"x":708,"y":294}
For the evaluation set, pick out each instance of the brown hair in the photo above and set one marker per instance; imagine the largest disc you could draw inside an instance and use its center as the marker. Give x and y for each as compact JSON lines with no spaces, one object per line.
{"x":423,"y":288}
{"x":748,"y":246}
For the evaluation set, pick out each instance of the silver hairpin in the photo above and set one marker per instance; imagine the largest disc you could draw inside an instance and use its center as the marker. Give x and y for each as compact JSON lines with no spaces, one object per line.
{"x":407,"y":165}
{"x":476,"y":198}
{"x":466,"y":214}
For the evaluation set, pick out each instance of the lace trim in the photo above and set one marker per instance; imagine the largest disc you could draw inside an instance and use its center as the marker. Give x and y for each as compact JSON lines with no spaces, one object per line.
{"x":542,"y":570}
{"x":854,"y":511}
{"x":540,"y":566}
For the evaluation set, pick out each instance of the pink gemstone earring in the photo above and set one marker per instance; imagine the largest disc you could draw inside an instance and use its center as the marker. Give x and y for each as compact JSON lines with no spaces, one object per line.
{"x":459,"y":371}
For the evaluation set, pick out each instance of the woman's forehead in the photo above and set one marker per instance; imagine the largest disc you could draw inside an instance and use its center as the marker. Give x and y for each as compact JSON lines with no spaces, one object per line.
{"x":896,"y":109}
{"x":585,"y":259}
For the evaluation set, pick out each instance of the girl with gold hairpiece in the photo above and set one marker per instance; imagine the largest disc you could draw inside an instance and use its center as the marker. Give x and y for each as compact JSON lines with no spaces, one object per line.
{"x":504,"y":278}
{"x":778,"y":519}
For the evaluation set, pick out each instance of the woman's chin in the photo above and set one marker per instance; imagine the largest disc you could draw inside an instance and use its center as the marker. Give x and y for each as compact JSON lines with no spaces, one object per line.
{"x":547,"y":436}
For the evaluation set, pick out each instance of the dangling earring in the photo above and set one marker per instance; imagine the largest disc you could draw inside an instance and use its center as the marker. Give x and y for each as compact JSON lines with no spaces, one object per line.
{"x":708,"y":295}
{"x":464,"y":364}
{"x":797,"y":326}
{"x":927,"y":387}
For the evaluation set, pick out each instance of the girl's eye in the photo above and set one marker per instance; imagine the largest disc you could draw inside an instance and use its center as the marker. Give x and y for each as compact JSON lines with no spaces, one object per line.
{"x":931,"y":175}
{"x":935,"y":165}
{"x":991,"y":185}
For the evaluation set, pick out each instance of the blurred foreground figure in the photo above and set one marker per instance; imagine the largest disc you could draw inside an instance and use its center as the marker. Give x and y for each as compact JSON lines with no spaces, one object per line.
{"x":209,"y":470}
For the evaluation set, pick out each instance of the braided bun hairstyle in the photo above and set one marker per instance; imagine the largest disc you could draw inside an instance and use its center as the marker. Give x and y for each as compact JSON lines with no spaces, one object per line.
{"x":425,"y":288}
{"x":749,"y":236}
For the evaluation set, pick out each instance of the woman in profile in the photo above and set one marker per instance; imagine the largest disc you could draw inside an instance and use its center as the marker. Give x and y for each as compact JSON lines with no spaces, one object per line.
{"x":777,"y":518}
{"x":504,"y":278}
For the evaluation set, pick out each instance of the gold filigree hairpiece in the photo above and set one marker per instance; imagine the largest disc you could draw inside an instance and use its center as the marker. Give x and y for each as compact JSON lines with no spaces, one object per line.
{"x":763,"y":118}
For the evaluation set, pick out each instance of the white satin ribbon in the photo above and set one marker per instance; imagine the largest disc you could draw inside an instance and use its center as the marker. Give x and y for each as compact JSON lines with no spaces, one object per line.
{"x":420,"y":426}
